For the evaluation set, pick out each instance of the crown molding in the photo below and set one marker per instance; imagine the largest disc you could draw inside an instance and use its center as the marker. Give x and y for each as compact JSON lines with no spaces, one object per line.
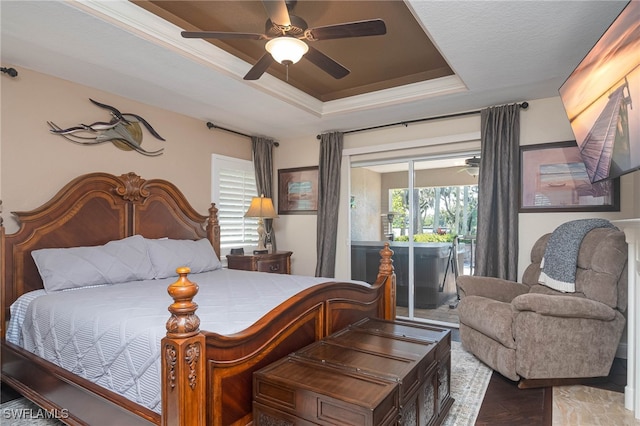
{"x":149,"y":27}
{"x":397,"y":95}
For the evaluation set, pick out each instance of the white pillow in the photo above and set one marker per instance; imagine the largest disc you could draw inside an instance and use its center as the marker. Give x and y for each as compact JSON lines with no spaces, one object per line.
{"x":167,"y":255}
{"x":115,"y":262}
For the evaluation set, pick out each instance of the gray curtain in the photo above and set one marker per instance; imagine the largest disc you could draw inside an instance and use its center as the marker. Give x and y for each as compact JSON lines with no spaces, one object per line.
{"x":498,"y":193}
{"x":328,"y":202}
{"x":262,"y":150}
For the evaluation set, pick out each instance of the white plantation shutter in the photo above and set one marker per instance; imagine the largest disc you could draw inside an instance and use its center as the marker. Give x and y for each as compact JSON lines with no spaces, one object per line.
{"x":233,"y":186}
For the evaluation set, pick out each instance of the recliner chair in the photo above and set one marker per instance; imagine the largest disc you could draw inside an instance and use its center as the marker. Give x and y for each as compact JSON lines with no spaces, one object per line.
{"x":532,"y":332}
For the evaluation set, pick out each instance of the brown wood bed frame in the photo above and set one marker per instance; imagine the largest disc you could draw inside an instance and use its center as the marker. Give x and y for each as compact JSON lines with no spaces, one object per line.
{"x":206,"y":377}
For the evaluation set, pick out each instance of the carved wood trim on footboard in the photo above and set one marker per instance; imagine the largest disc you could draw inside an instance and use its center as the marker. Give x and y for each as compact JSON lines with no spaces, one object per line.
{"x":230,"y":378}
{"x":231,"y":360}
{"x":182,"y":352}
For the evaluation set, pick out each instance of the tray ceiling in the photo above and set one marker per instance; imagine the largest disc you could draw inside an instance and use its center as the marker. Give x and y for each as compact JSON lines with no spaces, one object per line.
{"x":402,"y":56}
{"x":500,"y":52}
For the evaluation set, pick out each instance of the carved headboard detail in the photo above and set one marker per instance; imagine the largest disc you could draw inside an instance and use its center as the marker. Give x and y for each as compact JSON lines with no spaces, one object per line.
{"x":94,"y":209}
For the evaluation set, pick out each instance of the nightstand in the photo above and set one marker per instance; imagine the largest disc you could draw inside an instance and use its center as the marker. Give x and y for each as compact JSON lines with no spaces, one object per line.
{"x":275,"y":263}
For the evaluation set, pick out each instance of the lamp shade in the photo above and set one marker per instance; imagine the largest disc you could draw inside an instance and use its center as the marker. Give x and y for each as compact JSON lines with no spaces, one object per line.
{"x":261,"y":207}
{"x":286,"y":50}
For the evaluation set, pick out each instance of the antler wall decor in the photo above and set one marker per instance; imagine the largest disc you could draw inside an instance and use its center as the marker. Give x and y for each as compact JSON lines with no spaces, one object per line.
{"x":123,"y":131}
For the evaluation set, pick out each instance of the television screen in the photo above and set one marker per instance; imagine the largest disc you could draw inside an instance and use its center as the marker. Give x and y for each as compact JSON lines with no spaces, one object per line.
{"x":602,"y":99}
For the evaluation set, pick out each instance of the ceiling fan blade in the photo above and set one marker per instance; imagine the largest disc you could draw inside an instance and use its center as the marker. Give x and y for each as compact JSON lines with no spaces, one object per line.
{"x":350,"y":29}
{"x":221,"y":35}
{"x":326,"y":64}
{"x":260,"y":67}
{"x":277,"y":11}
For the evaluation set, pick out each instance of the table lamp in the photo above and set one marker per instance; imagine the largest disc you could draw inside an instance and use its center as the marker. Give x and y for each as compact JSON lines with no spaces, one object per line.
{"x":261,"y":208}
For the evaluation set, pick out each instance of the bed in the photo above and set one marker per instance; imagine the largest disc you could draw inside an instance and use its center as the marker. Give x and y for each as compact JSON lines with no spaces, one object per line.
{"x":206,"y":377}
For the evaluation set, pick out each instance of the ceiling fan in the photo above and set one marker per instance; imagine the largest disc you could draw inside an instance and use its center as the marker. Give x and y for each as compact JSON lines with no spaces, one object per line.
{"x":472,"y":166}
{"x":288,"y":34}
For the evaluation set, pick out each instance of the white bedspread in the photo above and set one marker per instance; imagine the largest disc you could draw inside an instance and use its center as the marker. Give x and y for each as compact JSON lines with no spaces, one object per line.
{"x":111,"y":335}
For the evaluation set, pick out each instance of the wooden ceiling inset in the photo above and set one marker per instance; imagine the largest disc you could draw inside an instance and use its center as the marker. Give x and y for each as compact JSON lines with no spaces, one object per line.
{"x":404,"y":55}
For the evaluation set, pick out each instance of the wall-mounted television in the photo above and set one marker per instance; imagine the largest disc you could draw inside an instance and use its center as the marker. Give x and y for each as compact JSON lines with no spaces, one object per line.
{"x":602,"y":99}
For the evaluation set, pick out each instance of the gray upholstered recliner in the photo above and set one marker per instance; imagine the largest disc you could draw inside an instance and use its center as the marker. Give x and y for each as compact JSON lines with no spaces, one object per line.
{"x":529,"y":331}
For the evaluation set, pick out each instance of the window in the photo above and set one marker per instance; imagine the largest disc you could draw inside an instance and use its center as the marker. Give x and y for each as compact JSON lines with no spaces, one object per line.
{"x":233,"y":185}
{"x":441,"y":210}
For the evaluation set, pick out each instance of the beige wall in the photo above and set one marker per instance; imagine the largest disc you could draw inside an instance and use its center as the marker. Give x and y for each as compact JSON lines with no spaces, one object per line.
{"x":297,"y":232}
{"x":544,"y":121}
{"x":636,"y":189}
{"x":35,"y":163}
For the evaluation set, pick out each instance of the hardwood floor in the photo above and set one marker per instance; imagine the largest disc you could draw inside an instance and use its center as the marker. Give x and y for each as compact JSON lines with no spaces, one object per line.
{"x":505,"y":404}
{"x":8,"y":394}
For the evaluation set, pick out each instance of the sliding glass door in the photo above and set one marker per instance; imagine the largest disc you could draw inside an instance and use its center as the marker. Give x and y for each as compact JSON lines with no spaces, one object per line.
{"x":422,"y":207}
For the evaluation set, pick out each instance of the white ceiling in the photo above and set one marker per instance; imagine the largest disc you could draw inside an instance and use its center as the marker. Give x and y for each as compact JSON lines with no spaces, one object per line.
{"x":501,"y":51}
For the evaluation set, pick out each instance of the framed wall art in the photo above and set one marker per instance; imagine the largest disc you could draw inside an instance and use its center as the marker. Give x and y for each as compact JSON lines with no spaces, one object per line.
{"x":298,"y":190}
{"x":553,"y":178}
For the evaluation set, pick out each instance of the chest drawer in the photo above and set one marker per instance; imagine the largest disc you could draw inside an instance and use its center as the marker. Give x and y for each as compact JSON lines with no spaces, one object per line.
{"x":274,"y":266}
{"x":345,"y":374}
{"x":297,"y":389}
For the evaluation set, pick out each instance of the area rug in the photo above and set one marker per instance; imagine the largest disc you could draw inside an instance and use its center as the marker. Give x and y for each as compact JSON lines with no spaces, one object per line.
{"x":469,"y":381}
{"x":22,"y":412}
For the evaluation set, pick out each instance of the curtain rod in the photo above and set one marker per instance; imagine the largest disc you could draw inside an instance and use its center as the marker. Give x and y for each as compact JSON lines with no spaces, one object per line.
{"x":210,"y":125}
{"x":523,"y":105}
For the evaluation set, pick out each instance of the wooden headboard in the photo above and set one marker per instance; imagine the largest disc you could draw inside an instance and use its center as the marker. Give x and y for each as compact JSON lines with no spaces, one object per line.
{"x":94,"y":209}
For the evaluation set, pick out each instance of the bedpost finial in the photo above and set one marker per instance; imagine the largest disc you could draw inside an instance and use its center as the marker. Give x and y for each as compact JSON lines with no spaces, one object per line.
{"x":213,"y":213}
{"x":212,"y":223}
{"x":183,"y":322}
{"x":213,"y":228}
{"x":386,"y":262}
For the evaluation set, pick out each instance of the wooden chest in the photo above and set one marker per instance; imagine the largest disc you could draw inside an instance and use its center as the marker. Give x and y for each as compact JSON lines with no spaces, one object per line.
{"x":374,"y":372}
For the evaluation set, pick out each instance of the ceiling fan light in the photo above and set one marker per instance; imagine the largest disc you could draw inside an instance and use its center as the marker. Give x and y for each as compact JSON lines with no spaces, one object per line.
{"x":473,"y":171}
{"x":286,"y":50}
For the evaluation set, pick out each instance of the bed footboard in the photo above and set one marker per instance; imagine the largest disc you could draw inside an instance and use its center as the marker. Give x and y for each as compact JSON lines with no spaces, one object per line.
{"x":228,"y":362}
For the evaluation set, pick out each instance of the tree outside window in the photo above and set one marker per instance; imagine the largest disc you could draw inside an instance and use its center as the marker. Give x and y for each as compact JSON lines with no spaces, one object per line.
{"x":449,"y":210}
